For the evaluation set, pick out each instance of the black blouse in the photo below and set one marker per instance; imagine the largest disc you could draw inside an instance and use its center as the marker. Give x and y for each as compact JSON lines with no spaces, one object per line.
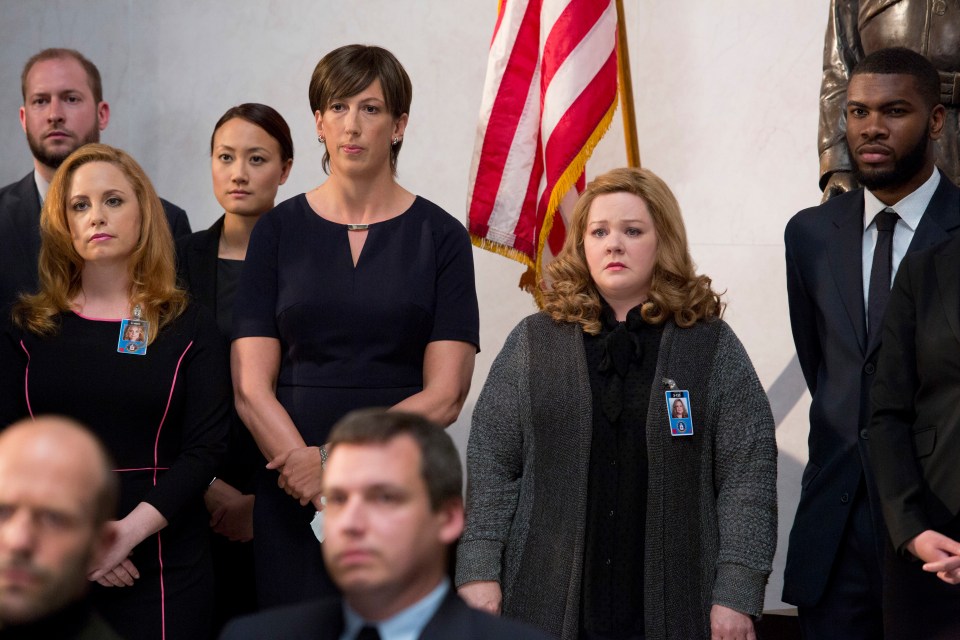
{"x":622,"y":361}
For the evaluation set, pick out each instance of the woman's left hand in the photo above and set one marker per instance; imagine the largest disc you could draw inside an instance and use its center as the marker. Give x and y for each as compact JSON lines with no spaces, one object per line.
{"x":728,"y":624}
{"x":300,"y":473}
{"x":114,"y":568}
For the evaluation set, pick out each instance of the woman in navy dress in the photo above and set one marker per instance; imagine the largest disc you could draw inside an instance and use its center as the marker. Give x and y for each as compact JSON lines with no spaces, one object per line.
{"x":251,"y":154}
{"x":159,"y":404}
{"x":355,"y":294}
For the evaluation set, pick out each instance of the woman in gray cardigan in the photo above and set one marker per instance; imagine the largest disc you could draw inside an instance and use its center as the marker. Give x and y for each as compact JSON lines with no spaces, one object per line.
{"x":591,"y":512}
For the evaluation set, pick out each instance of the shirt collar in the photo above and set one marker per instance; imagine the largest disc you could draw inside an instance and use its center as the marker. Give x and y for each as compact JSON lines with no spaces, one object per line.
{"x":409,"y":623}
{"x":910,"y":209}
{"x":42,"y":186}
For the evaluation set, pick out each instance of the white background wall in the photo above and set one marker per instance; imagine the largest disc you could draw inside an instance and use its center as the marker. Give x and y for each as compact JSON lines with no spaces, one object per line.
{"x":726,"y":97}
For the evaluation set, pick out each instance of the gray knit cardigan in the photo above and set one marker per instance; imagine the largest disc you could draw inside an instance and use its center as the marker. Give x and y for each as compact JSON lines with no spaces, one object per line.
{"x":711,"y":522}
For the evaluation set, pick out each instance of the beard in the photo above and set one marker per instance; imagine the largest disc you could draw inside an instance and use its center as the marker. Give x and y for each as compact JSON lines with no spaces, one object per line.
{"x":903,"y":170}
{"x":53,"y":158}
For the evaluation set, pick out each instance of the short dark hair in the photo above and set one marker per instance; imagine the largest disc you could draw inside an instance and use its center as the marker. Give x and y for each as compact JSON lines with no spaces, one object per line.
{"x":440,"y":465}
{"x":903,"y":61}
{"x":267,"y":118}
{"x":347,"y":71}
{"x":56,"y":53}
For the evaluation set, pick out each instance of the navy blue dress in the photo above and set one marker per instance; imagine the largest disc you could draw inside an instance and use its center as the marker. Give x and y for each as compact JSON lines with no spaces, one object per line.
{"x":350,"y":337}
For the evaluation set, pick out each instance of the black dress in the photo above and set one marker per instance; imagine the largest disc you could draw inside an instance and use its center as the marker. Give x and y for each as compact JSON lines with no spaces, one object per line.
{"x":211,"y":281}
{"x":350,"y":337}
{"x":163,"y":417}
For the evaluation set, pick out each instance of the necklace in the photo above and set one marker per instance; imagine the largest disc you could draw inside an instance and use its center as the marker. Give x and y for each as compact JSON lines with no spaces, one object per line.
{"x":357,"y":227}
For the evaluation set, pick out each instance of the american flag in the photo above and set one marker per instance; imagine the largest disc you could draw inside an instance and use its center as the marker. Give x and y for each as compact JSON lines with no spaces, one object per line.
{"x":548,"y":98}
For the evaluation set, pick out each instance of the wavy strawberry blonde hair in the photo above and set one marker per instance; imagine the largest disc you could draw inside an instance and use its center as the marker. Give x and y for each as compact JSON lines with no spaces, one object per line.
{"x":676,"y":291}
{"x":152,"y":271}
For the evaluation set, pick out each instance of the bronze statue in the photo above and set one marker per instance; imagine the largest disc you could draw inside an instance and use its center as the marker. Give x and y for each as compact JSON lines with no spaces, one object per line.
{"x":859,"y":27}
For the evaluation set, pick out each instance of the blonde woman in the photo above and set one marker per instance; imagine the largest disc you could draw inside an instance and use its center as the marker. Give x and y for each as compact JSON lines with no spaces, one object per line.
{"x":591,"y":511}
{"x":106,"y":259}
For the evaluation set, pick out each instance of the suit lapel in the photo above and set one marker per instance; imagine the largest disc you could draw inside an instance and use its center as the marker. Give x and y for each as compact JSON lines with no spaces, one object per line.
{"x":204,"y":263}
{"x":947,"y":264}
{"x":452,"y":620}
{"x":25,"y":217}
{"x":940,"y":219}
{"x":846,"y":263}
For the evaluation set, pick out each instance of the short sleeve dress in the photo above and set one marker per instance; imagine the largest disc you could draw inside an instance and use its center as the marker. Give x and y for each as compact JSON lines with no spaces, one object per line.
{"x":350,"y":337}
{"x":163,"y":418}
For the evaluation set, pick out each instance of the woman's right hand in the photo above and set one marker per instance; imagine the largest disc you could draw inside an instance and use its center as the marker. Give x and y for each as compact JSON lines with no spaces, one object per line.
{"x":300,"y":473}
{"x":482,"y":594}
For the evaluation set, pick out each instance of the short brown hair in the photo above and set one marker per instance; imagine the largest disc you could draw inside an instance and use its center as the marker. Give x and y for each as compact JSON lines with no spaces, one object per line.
{"x":93,"y":74}
{"x":347,"y":71}
{"x":440,"y":465}
{"x":676,"y":290}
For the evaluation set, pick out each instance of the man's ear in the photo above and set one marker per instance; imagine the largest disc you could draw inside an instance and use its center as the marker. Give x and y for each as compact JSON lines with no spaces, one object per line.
{"x":451,"y":520}
{"x":103,"y":115}
{"x":938,"y":116}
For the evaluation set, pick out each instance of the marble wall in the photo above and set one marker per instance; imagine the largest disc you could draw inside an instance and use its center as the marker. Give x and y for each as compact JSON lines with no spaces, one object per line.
{"x":726,"y":98}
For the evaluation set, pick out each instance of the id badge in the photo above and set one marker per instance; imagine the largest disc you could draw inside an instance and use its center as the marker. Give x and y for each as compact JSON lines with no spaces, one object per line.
{"x":133,"y":337}
{"x":678,"y":408}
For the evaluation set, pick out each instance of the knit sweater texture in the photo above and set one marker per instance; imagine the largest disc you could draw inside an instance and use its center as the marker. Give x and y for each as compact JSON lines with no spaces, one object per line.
{"x":711,"y":521}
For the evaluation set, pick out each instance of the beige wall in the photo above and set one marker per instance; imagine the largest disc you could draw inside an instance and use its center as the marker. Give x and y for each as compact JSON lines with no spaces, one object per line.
{"x":726,"y":100}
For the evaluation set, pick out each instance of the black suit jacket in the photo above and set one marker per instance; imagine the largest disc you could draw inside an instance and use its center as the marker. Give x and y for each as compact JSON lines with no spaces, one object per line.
{"x":827,"y":315}
{"x":20,"y":230}
{"x":197,"y":264}
{"x":915,"y":429}
{"x":323,"y":620}
{"x":197,"y":273}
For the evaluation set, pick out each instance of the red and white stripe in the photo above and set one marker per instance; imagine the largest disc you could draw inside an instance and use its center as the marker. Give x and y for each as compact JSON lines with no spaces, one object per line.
{"x":549,"y":96}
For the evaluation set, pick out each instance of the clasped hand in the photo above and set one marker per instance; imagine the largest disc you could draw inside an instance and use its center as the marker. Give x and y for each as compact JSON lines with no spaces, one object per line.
{"x":300,"y":474}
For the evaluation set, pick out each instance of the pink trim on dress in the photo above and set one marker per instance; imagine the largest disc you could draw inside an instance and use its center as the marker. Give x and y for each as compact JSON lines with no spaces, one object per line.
{"x":156,"y":445}
{"x":144,"y":469}
{"x":26,"y":380}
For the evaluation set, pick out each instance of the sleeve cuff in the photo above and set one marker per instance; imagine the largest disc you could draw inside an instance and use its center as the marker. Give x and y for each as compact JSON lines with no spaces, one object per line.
{"x":740,"y":588}
{"x":478,"y":560}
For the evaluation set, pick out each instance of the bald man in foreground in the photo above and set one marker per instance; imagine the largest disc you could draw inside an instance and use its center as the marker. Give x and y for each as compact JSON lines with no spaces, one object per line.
{"x":58,"y":494}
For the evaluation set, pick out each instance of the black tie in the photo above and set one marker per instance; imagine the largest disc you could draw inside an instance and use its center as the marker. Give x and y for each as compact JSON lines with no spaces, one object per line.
{"x":880,"y":272}
{"x":368,"y":633}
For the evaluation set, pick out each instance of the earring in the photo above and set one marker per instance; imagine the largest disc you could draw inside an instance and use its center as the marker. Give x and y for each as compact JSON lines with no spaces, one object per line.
{"x":321,"y":139}
{"x":396,"y":141}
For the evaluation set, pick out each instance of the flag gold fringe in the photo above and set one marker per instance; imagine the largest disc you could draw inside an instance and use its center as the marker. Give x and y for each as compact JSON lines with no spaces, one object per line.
{"x":566,"y":182}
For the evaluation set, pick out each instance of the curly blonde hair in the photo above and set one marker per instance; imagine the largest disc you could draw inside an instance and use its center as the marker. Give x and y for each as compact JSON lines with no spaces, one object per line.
{"x":676,"y":291}
{"x":152,"y":270}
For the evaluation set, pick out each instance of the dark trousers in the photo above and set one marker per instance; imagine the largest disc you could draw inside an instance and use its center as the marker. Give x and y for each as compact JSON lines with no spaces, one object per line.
{"x":851,"y":606}
{"x":918,"y":604}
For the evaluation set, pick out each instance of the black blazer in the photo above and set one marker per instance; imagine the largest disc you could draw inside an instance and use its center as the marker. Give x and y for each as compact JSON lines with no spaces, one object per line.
{"x":915,"y":429}
{"x":197,"y":264}
{"x":197,"y":273}
{"x":323,"y":620}
{"x":827,"y":316}
{"x":20,"y":230}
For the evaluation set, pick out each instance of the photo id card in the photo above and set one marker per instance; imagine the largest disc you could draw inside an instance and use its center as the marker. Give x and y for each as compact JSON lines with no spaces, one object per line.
{"x":133,"y":337}
{"x":678,"y":408}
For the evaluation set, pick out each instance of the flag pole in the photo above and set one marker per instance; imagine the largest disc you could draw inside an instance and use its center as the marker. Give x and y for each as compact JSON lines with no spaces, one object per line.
{"x":626,"y":91}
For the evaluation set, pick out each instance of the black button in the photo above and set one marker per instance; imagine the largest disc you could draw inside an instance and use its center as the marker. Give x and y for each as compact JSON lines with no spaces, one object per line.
{"x":869,"y":369}
{"x":845,"y":498}
{"x":611,"y":513}
{"x":864,"y":434}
